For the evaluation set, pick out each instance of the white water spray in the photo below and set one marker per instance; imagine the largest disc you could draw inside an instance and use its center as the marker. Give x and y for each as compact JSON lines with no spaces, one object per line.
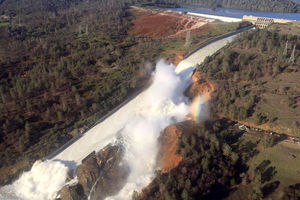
{"x":164,"y":104}
{"x":41,"y":182}
{"x":141,"y":121}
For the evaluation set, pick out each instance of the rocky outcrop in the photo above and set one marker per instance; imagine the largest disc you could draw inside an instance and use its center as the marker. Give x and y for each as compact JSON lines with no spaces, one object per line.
{"x":199,"y":87}
{"x":72,"y":192}
{"x":100,"y":175}
{"x":113,"y":173}
{"x":176,"y":57}
{"x":88,"y":172}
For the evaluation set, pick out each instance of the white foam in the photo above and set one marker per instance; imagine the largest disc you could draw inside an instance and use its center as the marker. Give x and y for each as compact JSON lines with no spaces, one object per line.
{"x":41,"y":182}
{"x":141,"y":121}
{"x":164,"y":104}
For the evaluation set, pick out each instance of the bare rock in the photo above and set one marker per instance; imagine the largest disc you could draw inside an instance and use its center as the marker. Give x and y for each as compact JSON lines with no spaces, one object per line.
{"x":74,"y":192}
{"x":88,"y":172}
{"x":100,"y":175}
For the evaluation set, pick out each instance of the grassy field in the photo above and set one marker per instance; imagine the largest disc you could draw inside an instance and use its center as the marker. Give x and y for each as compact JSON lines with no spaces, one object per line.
{"x":290,"y":28}
{"x":285,"y":157}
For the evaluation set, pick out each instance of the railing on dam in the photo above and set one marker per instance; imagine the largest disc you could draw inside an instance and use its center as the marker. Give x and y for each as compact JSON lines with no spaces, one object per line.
{"x":216,"y":39}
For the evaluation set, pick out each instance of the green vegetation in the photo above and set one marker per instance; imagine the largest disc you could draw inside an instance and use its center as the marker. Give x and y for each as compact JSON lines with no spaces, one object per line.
{"x":292,"y":192}
{"x":256,"y":82}
{"x":211,"y":165}
{"x":61,"y":70}
{"x":222,"y":162}
{"x":65,"y":64}
{"x":254,"y":75}
{"x":271,"y":170}
{"x":286,"y":159}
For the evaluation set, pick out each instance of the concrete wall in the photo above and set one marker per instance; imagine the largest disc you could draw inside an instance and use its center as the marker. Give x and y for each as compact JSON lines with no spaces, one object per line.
{"x":254,"y":19}
{"x":221,"y":18}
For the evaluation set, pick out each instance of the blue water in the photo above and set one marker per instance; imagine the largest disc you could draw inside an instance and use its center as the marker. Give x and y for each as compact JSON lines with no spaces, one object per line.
{"x":237,"y":13}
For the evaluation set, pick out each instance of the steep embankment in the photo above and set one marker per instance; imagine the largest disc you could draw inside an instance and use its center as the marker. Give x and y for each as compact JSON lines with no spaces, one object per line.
{"x":255,"y":81}
{"x":178,"y":33}
{"x":158,"y":24}
{"x":209,"y":165}
{"x":168,"y":156}
{"x":199,"y":92}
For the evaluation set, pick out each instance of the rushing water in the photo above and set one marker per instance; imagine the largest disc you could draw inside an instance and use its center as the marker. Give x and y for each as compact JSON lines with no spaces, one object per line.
{"x":141,"y":121}
{"x":236,"y":13}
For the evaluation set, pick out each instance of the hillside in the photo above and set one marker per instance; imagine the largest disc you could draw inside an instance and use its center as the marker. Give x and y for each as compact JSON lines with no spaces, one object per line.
{"x":256,"y":80}
{"x":220,"y":161}
{"x":61,"y":72}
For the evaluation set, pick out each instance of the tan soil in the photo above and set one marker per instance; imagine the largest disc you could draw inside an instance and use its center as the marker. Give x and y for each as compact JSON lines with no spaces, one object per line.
{"x":200,"y":87}
{"x":162,"y":24}
{"x":167,"y":156}
{"x":176,"y":58}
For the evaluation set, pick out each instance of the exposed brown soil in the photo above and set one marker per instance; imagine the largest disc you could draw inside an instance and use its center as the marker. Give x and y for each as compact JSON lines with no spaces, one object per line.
{"x":167,"y":157}
{"x":162,"y":24}
{"x":176,"y":58}
{"x":199,"y":87}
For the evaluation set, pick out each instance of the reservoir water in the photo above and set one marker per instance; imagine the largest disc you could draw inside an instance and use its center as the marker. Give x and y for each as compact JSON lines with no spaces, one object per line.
{"x":236,"y":13}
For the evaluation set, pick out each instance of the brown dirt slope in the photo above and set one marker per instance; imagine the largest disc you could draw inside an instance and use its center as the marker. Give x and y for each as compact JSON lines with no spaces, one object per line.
{"x":162,"y":24}
{"x":167,"y":157}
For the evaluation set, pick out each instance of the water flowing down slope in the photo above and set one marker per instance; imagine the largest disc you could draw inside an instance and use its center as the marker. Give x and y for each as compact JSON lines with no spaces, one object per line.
{"x":139,"y":122}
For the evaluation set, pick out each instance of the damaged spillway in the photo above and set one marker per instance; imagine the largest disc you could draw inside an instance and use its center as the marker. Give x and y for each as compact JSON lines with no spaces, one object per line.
{"x":136,"y":127}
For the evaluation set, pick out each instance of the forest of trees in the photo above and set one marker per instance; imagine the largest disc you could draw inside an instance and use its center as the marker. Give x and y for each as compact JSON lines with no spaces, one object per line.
{"x":216,"y":162}
{"x":211,"y":166}
{"x":253,"y":5}
{"x":64,"y":64}
{"x":244,"y":73}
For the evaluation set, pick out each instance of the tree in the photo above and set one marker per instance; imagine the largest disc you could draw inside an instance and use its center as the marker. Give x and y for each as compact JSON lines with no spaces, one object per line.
{"x":258,"y":177}
{"x":185,"y":195}
{"x":257,"y":193}
{"x":226,"y":149}
{"x":187,"y":184}
{"x":64,"y":103}
{"x":234,"y":157}
{"x":86,"y":29}
{"x":28,"y":129}
{"x":77,"y":98}
{"x":59,"y":115}
{"x":167,"y":196}
{"x":270,"y":141}
{"x":48,"y":113}
{"x":243,"y":114}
